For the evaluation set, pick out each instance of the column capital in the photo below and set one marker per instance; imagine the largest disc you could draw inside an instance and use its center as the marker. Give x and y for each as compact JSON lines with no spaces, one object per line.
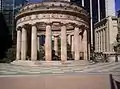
{"x":68,"y":34}
{"x":19,"y":28}
{"x":56,"y":35}
{"x":63,"y":24}
{"x":82,"y":27}
{"x":26,"y":26}
{"x":72,"y":34}
{"x":35,"y":24}
{"x":49,"y":23}
{"x":81,"y":31}
{"x":76,"y":26}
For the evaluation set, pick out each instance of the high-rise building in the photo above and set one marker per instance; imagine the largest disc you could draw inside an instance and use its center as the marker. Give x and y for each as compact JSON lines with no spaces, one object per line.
{"x":0,"y":5}
{"x":106,"y":28}
{"x":119,"y":13}
{"x":9,"y":8}
{"x":98,"y":9}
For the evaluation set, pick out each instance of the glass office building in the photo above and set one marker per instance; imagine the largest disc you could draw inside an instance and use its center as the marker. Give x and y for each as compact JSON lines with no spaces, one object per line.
{"x":9,"y":8}
{"x":100,"y":8}
{"x":119,"y":13}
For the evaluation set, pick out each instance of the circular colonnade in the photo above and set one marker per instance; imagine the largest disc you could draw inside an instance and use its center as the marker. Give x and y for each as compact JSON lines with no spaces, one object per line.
{"x":63,"y":20}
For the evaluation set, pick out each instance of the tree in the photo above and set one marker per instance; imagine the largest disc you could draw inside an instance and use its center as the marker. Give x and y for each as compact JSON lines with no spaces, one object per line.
{"x":5,"y":38}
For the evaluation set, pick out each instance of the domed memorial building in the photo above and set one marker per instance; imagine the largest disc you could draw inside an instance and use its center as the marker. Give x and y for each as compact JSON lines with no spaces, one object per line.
{"x":63,"y":27}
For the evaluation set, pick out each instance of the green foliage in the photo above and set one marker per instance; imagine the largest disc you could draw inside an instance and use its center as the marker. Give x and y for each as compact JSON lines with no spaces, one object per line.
{"x":10,"y":55}
{"x":117,"y":44}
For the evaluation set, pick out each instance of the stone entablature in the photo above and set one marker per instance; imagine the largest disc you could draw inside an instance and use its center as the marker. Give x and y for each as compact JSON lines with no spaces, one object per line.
{"x":53,"y":10}
{"x":68,"y":22}
{"x":54,"y":17}
{"x":105,"y":34}
{"x":47,"y":6}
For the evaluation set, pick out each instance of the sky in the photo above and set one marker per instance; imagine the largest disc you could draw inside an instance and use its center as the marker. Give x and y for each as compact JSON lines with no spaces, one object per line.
{"x":117,"y":3}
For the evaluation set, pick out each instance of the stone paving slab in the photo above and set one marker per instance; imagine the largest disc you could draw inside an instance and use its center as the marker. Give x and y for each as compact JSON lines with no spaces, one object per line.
{"x":100,"y":67}
{"x":56,"y":81}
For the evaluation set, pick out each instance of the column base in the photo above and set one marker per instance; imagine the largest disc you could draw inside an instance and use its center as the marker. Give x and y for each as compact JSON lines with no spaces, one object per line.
{"x":50,"y":63}
{"x":23,"y":63}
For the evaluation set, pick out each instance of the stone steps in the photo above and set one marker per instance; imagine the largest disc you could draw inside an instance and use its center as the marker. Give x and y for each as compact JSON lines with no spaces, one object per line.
{"x":9,"y":69}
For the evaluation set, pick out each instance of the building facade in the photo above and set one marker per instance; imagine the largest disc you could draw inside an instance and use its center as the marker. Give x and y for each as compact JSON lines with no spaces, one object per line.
{"x":105,"y":34}
{"x":98,"y":10}
{"x":118,"y":21}
{"x":54,"y":19}
{"x":106,"y":30}
{"x":0,"y":5}
{"x":9,"y":8}
{"x":118,"y":13}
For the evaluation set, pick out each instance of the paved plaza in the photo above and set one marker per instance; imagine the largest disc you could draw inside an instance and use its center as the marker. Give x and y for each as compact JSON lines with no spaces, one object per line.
{"x":90,"y":73}
{"x":11,"y":69}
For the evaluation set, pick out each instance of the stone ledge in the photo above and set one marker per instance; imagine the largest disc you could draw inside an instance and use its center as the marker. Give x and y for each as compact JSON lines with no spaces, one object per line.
{"x":50,"y":63}
{"x":23,"y":63}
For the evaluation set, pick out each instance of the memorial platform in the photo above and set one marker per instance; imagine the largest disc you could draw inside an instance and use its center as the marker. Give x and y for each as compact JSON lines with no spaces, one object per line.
{"x":81,"y":74}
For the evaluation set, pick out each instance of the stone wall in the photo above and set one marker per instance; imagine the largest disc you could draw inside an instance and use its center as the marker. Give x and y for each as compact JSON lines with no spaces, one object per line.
{"x":105,"y":34}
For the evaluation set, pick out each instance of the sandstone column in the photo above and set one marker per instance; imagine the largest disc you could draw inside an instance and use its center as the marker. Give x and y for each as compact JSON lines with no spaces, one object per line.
{"x":95,"y":40}
{"x":99,"y":41}
{"x":18,"y":50}
{"x":107,"y":38}
{"x":76,"y":43}
{"x":80,"y":45}
{"x":104,"y":43}
{"x":56,"y":44}
{"x":69,"y":39}
{"x":24,"y":44}
{"x":34,"y":43}
{"x":85,"y":44}
{"x":48,"y":43}
{"x":102,"y":40}
{"x":72,"y":46}
{"x":63,"y":43}
{"x":38,"y":43}
{"x":111,"y":34}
